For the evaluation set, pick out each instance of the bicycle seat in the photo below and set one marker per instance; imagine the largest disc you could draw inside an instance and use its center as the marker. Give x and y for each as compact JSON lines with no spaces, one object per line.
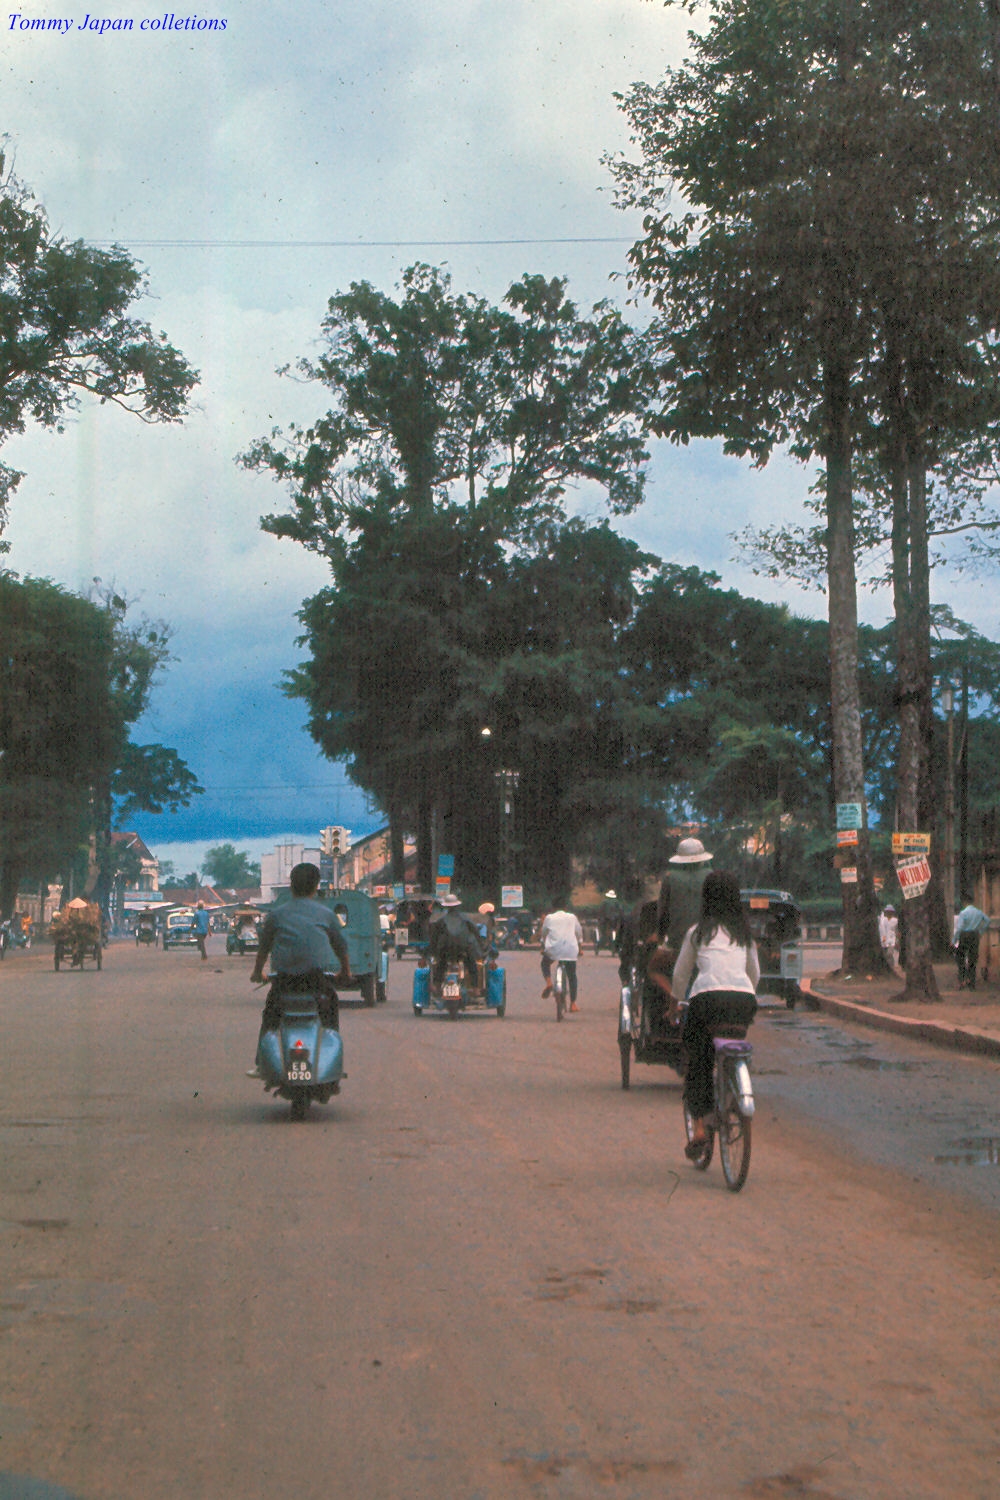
{"x":734,"y":1046}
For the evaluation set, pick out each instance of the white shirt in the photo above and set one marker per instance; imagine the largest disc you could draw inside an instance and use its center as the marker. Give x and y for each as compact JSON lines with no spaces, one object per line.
{"x":562,"y":935}
{"x":721,"y":963}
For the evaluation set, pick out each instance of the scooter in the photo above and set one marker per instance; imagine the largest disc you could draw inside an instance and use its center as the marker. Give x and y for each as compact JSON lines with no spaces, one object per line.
{"x":301,"y":1060}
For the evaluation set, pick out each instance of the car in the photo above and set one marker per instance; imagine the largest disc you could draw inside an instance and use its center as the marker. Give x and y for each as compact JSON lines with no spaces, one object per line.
{"x":178,"y":931}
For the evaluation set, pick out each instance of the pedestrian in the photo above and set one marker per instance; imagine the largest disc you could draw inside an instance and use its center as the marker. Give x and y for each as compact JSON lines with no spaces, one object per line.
{"x":888,"y":935}
{"x":201,"y":925}
{"x":970,"y":924}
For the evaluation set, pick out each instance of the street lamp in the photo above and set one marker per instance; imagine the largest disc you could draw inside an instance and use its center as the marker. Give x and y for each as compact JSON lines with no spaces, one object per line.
{"x":507,"y":782}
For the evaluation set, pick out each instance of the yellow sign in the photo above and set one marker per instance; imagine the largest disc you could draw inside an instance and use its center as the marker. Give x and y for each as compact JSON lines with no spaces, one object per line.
{"x":911,"y":843}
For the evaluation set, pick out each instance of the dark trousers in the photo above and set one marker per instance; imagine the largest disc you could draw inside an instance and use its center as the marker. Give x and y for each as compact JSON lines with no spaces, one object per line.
{"x":967,"y":957}
{"x":569,"y":964}
{"x":315,"y":983}
{"x":708,"y":1014}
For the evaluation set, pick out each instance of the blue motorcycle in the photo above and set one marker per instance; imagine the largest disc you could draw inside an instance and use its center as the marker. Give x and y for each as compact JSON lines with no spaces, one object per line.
{"x":301,"y":1060}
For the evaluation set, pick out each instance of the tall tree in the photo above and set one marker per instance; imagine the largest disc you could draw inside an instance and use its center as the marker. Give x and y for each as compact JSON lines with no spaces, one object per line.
{"x":456,"y":428}
{"x":823,"y":146}
{"x":66,"y":329}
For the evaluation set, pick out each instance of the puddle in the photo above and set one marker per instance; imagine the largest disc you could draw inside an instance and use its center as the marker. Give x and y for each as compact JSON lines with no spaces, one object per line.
{"x":973,"y":1151}
{"x":880,"y":1065}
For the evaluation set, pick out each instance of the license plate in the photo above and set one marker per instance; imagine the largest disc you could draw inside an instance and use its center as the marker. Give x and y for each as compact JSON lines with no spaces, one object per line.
{"x":300,"y":1070}
{"x":452,"y":992}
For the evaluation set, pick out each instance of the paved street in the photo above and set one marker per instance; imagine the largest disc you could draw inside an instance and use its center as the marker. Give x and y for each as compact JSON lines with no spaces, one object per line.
{"x":484,"y":1270}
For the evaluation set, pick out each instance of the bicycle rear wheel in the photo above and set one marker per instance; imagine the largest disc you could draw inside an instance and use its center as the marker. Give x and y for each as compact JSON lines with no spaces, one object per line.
{"x":734,"y":1135}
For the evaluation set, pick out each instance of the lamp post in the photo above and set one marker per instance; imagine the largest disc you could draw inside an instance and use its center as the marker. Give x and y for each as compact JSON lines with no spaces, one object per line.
{"x":507,"y":782}
{"x":948,"y":705}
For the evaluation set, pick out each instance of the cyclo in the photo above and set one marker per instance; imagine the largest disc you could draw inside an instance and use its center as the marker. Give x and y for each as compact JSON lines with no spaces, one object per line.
{"x":145,"y":928}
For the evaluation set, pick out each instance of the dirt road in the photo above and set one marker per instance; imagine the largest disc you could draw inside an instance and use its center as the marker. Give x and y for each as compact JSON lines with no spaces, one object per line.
{"x":484,"y":1271}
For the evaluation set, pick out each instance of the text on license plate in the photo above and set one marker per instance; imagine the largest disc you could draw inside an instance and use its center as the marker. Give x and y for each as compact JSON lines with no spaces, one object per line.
{"x":299,"y":1071}
{"x":451,"y":991}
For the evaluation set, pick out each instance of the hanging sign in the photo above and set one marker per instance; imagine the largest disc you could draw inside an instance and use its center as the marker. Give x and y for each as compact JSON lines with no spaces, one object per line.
{"x":848,"y":814}
{"x":849,"y":875}
{"x":846,"y":837}
{"x":512,"y":896}
{"x":911,"y":843}
{"x":446,"y":865}
{"x":914,"y":875}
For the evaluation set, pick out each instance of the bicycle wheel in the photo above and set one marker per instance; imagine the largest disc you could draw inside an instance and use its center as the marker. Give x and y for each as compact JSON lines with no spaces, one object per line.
{"x":734,"y":1135}
{"x":702,"y":1161}
{"x":559,"y":986}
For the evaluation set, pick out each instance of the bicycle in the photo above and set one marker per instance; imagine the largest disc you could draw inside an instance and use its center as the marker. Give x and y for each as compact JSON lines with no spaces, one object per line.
{"x":559,"y":984}
{"x":732,"y":1113}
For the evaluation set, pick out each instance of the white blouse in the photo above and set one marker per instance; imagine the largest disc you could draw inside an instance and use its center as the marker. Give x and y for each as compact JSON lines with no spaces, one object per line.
{"x":721,"y":964}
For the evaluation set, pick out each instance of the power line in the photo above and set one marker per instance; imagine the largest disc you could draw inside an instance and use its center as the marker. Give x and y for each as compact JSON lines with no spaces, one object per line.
{"x":357,"y":244}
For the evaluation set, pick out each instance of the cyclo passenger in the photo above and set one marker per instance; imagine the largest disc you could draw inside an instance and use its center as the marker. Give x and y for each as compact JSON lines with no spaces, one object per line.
{"x":452,"y":938}
{"x":720,"y":953}
{"x":302,"y":934}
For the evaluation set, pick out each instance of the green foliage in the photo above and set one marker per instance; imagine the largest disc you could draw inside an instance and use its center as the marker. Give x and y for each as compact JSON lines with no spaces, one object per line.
{"x":230,"y":868}
{"x":65,"y":329}
{"x":73,"y":678}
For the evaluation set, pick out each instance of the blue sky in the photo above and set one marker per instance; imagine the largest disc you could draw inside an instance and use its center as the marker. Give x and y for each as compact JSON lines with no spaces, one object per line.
{"x":255,"y":172}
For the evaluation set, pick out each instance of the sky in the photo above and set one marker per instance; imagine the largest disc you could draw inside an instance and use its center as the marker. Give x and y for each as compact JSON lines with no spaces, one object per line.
{"x":254,"y":171}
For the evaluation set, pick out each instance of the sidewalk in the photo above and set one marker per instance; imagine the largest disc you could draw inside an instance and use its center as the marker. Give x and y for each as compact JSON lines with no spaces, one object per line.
{"x":968,"y":1021}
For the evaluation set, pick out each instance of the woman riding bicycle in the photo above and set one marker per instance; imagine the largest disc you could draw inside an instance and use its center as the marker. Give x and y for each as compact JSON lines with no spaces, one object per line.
{"x":723,"y":996}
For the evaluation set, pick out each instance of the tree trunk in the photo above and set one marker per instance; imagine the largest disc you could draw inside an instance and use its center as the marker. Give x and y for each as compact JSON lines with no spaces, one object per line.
{"x":425,"y":845}
{"x":862,"y":949}
{"x":911,"y":594}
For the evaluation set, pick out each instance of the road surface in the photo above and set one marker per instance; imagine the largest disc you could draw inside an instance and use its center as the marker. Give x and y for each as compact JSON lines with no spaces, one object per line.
{"x":483,"y":1272}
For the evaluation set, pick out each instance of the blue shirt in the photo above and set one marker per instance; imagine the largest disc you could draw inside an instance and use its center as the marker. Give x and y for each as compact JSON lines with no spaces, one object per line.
{"x":971,"y":919}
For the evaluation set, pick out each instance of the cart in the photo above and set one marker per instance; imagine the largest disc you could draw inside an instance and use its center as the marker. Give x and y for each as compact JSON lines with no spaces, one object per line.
{"x":145,"y":929}
{"x":77,"y":934}
{"x":244,"y":931}
{"x":776,"y":925}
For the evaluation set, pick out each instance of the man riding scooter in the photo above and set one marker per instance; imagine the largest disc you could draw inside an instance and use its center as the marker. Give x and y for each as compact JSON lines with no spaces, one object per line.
{"x":303,"y":935}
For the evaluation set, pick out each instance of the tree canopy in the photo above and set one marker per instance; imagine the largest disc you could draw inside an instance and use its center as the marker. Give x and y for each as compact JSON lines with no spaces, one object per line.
{"x":66,"y":329}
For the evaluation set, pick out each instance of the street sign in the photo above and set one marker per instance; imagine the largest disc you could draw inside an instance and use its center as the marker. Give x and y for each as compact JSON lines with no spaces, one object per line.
{"x":911,"y":843}
{"x":849,"y":875}
{"x":848,"y":814}
{"x":512,"y":896}
{"x":914,"y":875}
{"x":846,"y":837}
{"x":446,"y":865}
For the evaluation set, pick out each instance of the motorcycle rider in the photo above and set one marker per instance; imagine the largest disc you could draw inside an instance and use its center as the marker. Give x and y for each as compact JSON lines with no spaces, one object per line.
{"x":452,"y":938}
{"x":302,"y":934}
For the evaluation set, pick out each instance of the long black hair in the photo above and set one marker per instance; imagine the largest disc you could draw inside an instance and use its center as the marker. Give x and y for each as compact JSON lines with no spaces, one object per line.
{"x":721,"y":907}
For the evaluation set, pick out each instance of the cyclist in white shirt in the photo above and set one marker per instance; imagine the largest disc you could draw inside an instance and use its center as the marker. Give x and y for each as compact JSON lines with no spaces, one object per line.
{"x":721,"y":955}
{"x":562,"y":939}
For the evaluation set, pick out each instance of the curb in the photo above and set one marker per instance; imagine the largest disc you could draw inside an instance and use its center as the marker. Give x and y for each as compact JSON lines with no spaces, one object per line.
{"x":976,"y":1043}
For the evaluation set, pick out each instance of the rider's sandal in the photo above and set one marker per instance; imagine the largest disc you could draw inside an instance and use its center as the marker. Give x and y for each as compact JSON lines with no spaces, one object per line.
{"x":694,"y":1149}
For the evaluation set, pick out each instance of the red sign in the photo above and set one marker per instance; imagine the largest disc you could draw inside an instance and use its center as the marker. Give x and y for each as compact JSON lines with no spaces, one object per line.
{"x":914,"y":876}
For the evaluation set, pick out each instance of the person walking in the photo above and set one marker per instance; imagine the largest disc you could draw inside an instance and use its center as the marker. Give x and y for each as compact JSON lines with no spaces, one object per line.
{"x":970,"y":924}
{"x":201,"y":926}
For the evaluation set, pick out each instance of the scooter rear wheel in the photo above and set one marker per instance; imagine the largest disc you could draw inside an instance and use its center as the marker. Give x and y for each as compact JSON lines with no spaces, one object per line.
{"x":300,"y":1105}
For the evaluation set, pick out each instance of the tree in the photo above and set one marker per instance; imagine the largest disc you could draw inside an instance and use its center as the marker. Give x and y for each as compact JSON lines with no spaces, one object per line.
{"x":230,"y":868}
{"x":455,"y":430}
{"x":65,"y":330}
{"x":72,"y":680}
{"x":825,"y":148}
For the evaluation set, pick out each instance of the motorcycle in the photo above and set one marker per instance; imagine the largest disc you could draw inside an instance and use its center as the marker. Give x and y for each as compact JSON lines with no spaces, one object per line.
{"x":482,"y":986}
{"x":301,"y":1060}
